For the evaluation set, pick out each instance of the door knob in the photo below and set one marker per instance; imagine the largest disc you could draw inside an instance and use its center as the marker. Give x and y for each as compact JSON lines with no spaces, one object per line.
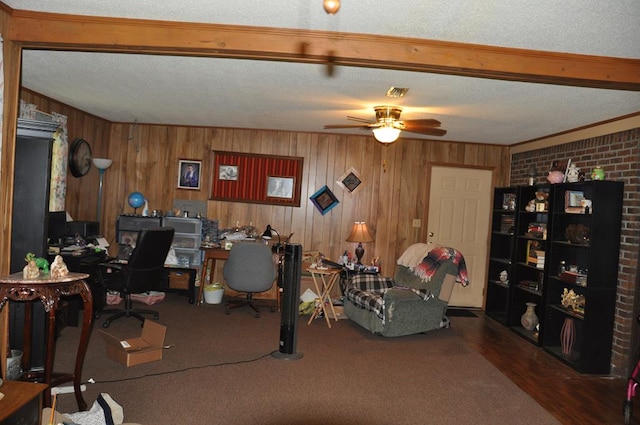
{"x":430,"y":234}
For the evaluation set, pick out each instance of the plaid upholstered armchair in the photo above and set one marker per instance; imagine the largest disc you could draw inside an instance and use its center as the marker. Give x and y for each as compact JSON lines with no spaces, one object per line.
{"x":415,"y":300}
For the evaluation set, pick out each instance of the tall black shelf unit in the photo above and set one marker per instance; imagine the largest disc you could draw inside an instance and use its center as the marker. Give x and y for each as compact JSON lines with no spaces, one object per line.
{"x":592,"y":262}
{"x":30,"y":223}
{"x":596,"y":259}
{"x":530,"y":259}
{"x":505,"y":201}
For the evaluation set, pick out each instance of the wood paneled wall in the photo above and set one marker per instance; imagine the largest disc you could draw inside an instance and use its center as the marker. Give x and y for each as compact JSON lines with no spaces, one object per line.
{"x":395,"y":190}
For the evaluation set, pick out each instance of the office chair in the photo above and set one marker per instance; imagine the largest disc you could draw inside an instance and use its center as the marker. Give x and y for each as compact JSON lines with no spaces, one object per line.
{"x":249,"y":269}
{"x":144,"y":271}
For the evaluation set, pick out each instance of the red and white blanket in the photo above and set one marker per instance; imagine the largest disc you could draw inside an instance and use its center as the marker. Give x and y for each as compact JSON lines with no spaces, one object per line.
{"x":434,"y":259}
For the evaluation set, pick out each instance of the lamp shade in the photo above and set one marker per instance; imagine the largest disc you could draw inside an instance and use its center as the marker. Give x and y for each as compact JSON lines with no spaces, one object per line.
{"x":102,"y":163}
{"x":359,"y":233}
{"x":386,"y":134}
{"x":268,"y":232}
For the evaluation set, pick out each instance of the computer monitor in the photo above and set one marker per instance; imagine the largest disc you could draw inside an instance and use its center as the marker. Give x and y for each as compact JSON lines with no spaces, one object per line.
{"x":57,"y":227}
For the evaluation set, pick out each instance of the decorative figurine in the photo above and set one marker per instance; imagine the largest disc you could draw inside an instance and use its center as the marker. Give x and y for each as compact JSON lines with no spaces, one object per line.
{"x":573,"y":174}
{"x":597,"y":174}
{"x":40,"y":262}
{"x":31,"y":270}
{"x":504,"y":277}
{"x":58,"y":267}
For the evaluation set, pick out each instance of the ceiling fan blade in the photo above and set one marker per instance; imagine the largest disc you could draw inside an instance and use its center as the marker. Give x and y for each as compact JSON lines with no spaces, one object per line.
{"x":421,"y":123}
{"x":358,"y":119}
{"x":330,"y":126}
{"x":429,"y":131}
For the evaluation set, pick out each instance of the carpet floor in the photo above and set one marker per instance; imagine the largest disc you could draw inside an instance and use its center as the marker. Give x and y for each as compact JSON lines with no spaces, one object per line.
{"x":219,"y":370}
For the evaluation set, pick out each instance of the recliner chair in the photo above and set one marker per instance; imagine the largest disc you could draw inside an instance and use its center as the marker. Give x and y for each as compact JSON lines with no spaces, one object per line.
{"x":415,"y":300}
{"x":250,"y":268}
{"x":144,"y":271}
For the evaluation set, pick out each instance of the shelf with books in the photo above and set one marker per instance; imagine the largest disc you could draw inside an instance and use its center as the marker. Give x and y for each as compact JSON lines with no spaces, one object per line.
{"x":530,"y":257}
{"x":582,"y":264}
{"x":500,"y":267}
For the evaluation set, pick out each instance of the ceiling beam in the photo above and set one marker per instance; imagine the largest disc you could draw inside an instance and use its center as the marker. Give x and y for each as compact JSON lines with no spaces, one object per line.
{"x":72,"y":32}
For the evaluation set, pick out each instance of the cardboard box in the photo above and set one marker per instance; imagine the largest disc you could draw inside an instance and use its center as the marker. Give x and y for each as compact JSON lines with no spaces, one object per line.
{"x":143,"y":349}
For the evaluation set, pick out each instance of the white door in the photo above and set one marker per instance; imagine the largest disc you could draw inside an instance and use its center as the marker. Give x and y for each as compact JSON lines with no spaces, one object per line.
{"x":459,"y":217}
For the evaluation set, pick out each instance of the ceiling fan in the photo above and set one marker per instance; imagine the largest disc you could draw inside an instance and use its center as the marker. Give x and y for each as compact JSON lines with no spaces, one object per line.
{"x":387,"y":126}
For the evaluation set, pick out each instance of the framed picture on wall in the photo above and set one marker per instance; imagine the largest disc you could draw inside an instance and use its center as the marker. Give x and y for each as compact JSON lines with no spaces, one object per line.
{"x":256,"y":178}
{"x":350,"y":181}
{"x":189,"y":174}
{"x":280,"y":187}
{"x":324,"y":200}
{"x":227,"y":172}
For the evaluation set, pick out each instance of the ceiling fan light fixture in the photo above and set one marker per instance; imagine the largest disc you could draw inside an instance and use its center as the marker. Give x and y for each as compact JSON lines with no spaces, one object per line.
{"x":331,"y":6}
{"x":386,"y":134}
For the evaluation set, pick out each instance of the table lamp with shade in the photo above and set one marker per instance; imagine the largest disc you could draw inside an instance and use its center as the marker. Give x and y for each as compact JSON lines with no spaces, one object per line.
{"x":101,"y":164}
{"x":359,"y":233}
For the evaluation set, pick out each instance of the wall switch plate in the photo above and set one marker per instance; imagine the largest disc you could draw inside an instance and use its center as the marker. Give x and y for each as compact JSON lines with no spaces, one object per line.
{"x":417,"y":222}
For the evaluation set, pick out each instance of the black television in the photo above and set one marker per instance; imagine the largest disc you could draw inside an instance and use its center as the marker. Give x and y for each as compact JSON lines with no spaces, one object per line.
{"x":57,"y":227}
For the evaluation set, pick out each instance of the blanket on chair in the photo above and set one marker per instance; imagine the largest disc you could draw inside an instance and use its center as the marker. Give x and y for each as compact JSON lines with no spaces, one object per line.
{"x":434,"y":259}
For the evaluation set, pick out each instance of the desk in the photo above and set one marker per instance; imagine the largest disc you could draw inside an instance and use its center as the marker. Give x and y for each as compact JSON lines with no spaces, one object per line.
{"x":85,"y":262}
{"x":211,"y":255}
{"x":48,"y":291}
{"x":328,"y":278}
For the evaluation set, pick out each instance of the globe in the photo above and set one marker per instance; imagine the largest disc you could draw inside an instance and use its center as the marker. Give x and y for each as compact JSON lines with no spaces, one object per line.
{"x":136,"y":199}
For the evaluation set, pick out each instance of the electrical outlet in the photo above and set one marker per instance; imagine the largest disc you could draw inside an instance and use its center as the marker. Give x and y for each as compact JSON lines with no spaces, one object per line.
{"x":417,"y":222}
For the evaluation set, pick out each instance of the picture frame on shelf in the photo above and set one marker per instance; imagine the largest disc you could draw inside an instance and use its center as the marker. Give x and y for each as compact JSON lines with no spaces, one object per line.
{"x":324,"y":200}
{"x":189,"y":171}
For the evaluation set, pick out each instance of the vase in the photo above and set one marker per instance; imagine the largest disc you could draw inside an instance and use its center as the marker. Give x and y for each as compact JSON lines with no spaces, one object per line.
{"x":555,"y":177}
{"x":529,"y":319}
{"x":568,"y":336}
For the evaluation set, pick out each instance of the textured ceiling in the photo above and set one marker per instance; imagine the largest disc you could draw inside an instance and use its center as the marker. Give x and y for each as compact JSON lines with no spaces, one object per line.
{"x":301,"y":97}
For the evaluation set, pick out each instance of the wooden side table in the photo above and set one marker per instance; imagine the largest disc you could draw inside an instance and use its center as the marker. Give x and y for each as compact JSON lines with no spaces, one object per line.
{"x":22,"y":403}
{"x":49,"y":290}
{"x":327,"y":278}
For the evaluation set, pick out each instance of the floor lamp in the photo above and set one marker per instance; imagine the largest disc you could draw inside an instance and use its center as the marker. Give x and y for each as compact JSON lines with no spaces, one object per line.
{"x":101,"y":164}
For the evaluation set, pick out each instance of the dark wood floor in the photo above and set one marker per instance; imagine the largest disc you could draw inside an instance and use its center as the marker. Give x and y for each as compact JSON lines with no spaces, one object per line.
{"x":571,"y":397}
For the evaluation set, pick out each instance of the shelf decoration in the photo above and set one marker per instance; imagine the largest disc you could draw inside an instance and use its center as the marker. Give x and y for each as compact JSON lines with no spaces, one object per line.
{"x":572,"y":301}
{"x":529,"y":319}
{"x":568,"y":336}
{"x":350,"y":181}
{"x":255,"y":178}
{"x":324,"y":200}
{"x":509,"y":201}
{"x":578,"y":234}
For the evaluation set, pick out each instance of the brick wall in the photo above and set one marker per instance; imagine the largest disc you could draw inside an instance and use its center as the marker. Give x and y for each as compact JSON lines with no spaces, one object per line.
{"x":619,"y":155}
